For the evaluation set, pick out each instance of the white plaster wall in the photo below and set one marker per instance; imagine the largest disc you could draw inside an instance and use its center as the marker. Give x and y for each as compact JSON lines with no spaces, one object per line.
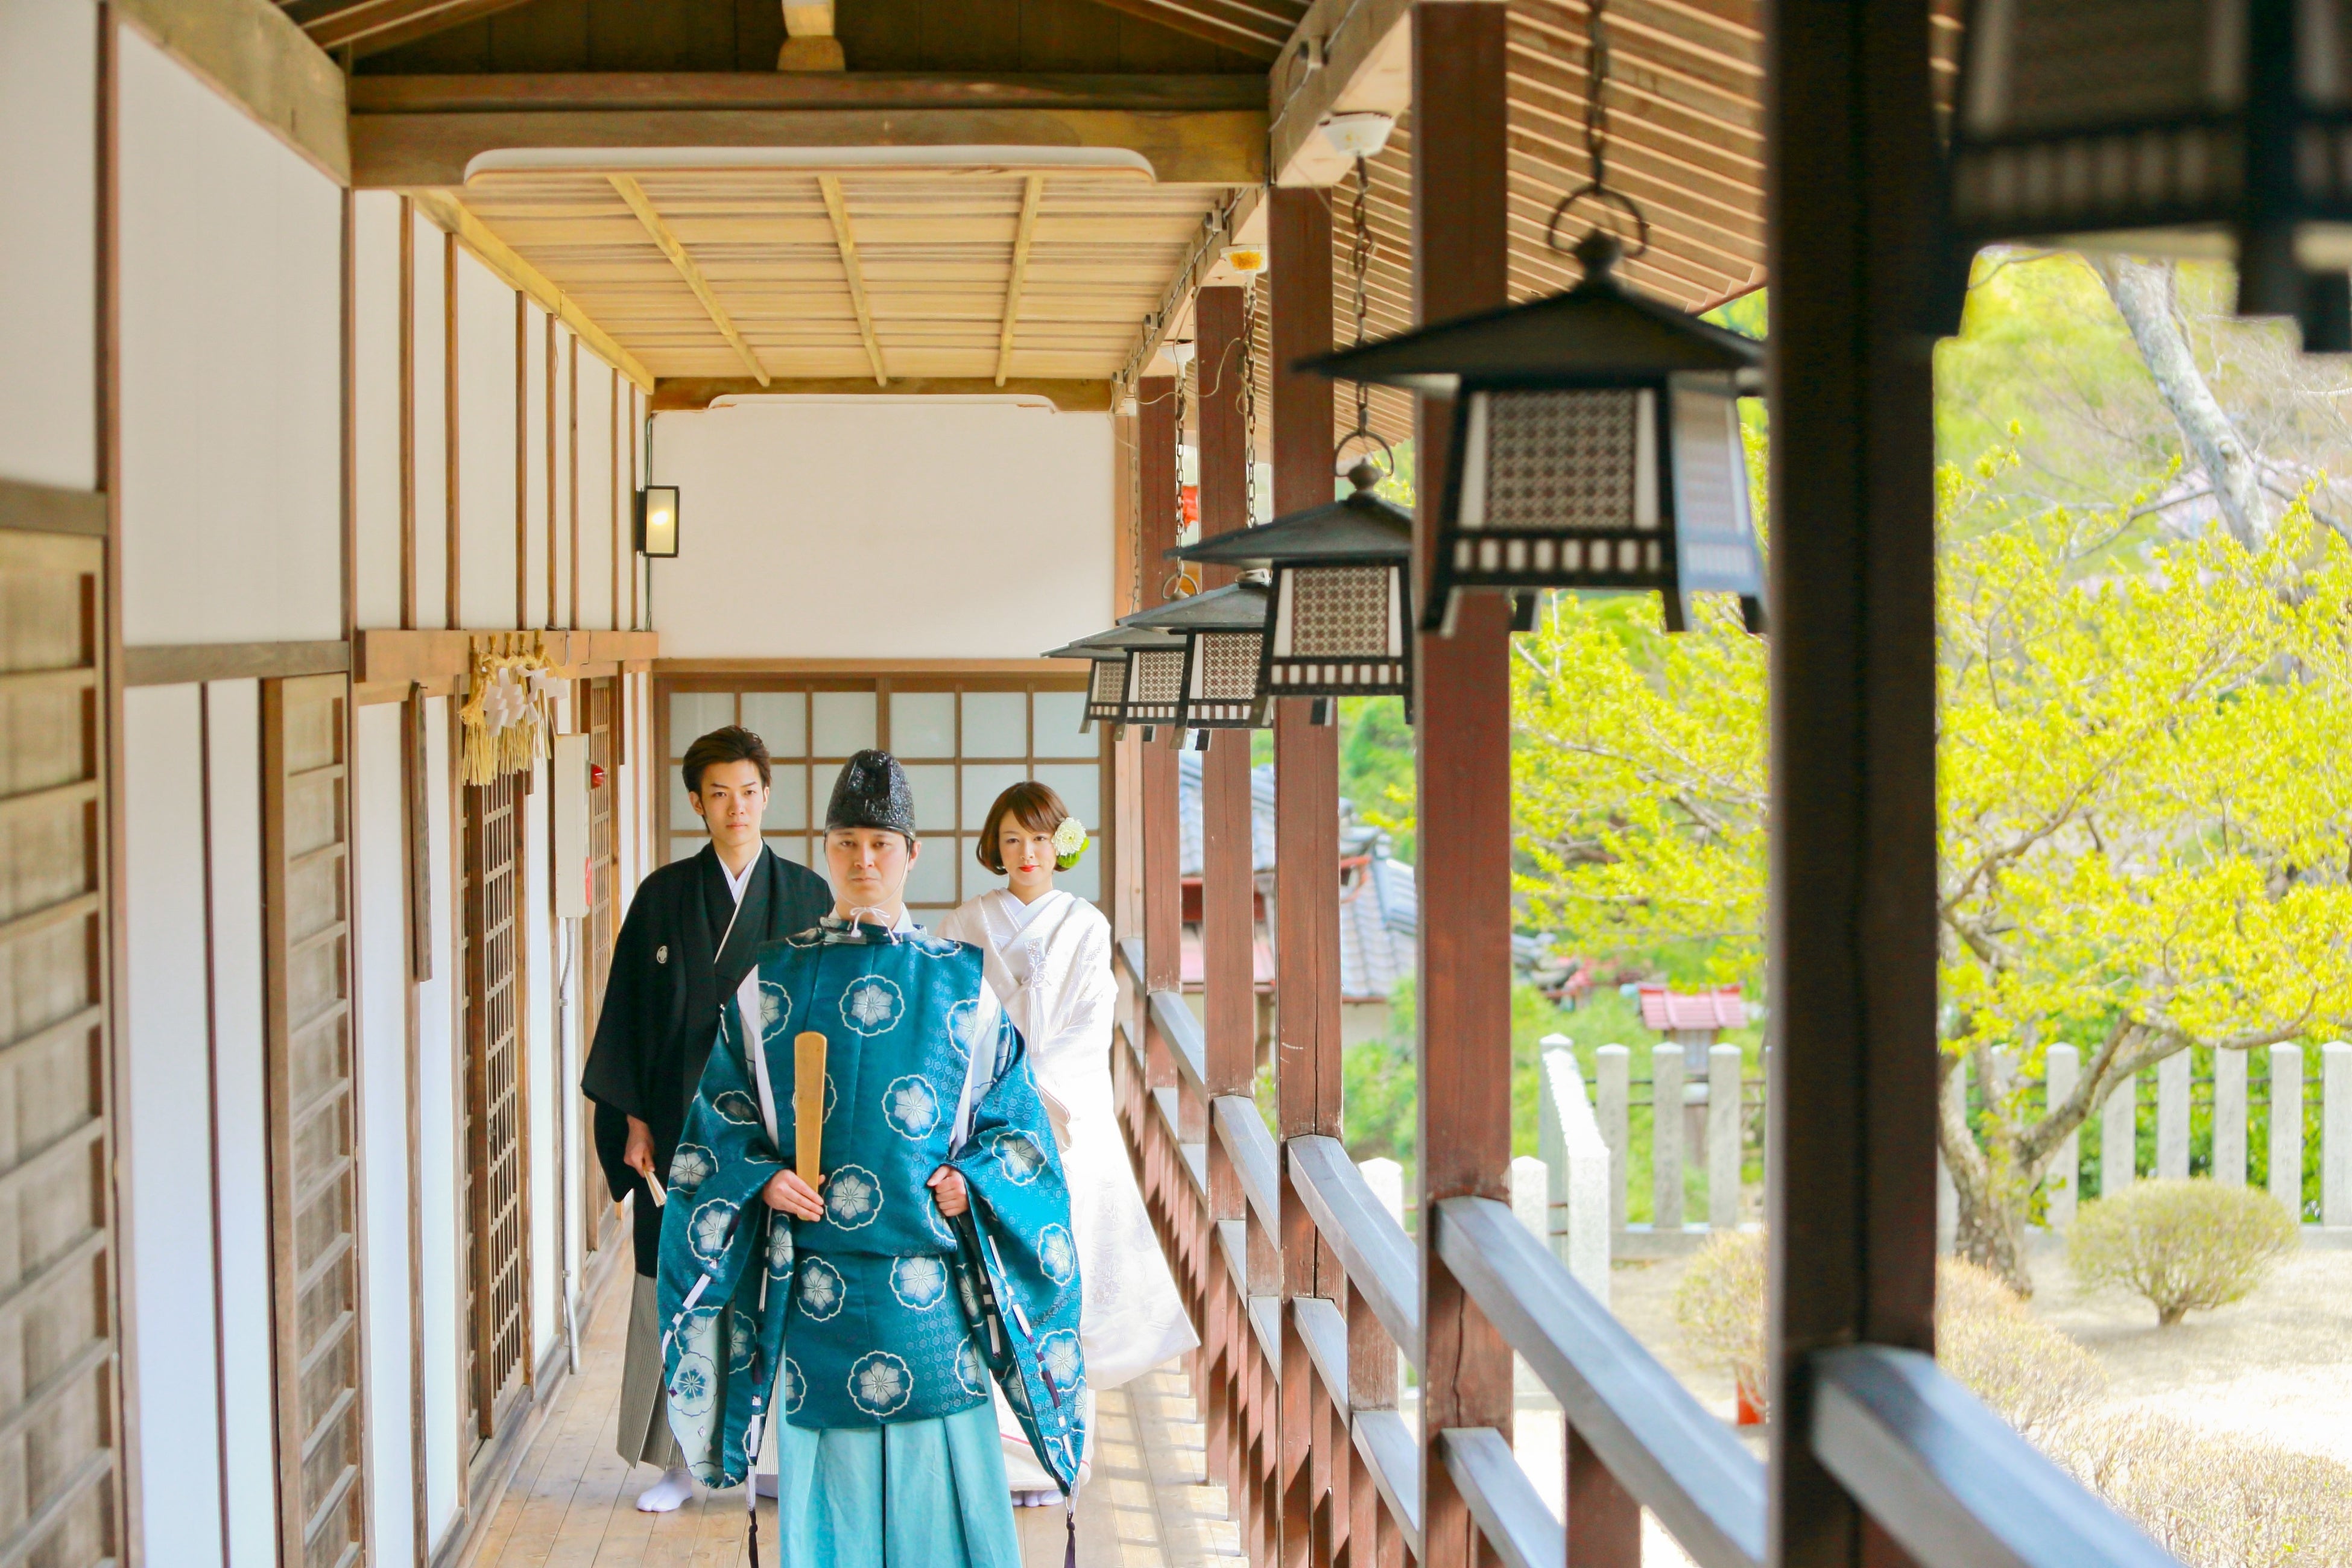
{"x":240,"y":1142}
{"x":375,"y":375}
{"x":231,"y":309}
{"x":48,"y":263}
{"x":486,"y":446}
{"x":432,"y":446}
{"x":166,"y":1133}
{"x":535,"y":466}
{"x":539,"y":1057}
{"x":597,"y":493}
{"x":383,"y":1098}
{"x":873,"y":528}
{"x":437,"y":1147}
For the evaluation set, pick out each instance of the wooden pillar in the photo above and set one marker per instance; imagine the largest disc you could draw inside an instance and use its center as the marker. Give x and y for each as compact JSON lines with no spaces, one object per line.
{"x":1306,"y":847}
{"x":1461,"y":250}
{"x":1851,"y":1183}
{"x":1227,"y":894}
{"x":1155,"y":769}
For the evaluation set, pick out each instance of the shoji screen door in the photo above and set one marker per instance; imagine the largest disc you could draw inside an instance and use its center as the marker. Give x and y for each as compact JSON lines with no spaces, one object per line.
{"x":497,"y":1172}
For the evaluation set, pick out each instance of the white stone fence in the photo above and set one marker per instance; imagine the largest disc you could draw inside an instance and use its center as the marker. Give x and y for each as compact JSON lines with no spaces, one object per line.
{"x":2116,"y":1126}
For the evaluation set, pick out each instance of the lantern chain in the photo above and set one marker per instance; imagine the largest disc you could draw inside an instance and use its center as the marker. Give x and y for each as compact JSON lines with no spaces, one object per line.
{"x":1173,"y":586}
{"x":1596,"y":188}
{"x":1361,"y":259}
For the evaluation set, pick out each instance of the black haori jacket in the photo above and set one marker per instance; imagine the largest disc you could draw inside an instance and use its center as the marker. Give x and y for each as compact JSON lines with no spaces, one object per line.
{"x":661,"y":1003}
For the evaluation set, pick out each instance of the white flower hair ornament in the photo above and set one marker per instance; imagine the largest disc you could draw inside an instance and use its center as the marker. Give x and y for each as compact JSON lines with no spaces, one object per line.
{"x":1069,"y":843}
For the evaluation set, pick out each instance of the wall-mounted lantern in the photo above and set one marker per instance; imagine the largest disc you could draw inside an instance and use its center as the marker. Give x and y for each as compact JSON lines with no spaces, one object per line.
{"x":657,"y":520}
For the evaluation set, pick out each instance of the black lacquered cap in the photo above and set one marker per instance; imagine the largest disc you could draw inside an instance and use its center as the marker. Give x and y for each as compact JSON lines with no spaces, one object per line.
{"x":1599,"y":333}
{"x":1235,"y":607}
{"x":1362,"y":527}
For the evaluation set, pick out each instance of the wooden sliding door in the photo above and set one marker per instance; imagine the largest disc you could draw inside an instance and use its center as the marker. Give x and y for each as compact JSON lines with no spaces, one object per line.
{"x":498,"y":1173}
{"x":59,"y":1489}
{"x":313,"y":1093}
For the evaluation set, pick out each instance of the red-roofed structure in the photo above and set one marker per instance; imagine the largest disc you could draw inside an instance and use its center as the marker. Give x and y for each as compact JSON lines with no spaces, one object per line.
{"x":1679,"y":1013}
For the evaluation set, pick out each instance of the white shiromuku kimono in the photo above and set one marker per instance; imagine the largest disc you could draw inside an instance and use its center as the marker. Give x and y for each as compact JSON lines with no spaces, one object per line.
{"x":1049,"y":964}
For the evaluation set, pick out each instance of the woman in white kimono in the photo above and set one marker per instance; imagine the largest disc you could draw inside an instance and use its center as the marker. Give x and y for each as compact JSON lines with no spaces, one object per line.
{"x":1048,"y":960}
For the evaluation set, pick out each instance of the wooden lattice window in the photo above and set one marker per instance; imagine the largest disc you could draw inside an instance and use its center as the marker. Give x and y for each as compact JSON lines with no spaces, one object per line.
{"x":602,"y":710}
{"x":963,"y":741}
{"x":314,"y":1171}
{"x":498,"y":1171}
{"x":58,"y":1493}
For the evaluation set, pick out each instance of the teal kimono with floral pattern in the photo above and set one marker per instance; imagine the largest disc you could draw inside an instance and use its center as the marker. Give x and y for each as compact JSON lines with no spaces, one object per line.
{"x":870,"y":1312}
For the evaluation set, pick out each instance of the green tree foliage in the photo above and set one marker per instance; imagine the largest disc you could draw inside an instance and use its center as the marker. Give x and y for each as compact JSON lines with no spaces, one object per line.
{"x":2143,"y":780}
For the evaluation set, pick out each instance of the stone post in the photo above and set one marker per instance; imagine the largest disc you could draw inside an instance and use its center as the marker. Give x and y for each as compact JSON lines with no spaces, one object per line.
{"x":1947,"y":1196}
{"x":2286,"y":1127}
{"x":1666,"y":1138}
{"x":1612,"y":1070}
{"x":2061,"y":1071}
{"x":1530,"y":1196}
{"x":1577,"y":1162}
{"x":1723,"y":1137}
{"x":2172,"y":1117}
{"x":2119,"y":1138}
{"x":2336,"y":1134}
{"x":2230,"y":1117}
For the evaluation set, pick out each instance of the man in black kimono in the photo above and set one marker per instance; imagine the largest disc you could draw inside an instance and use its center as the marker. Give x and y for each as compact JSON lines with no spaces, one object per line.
{"x":689,"y":937}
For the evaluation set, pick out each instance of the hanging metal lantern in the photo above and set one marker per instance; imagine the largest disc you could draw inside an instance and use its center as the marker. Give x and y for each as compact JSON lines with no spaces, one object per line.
{"x":1224,"y":634}
{"x":1596,"y":444}
{"x":1112,"y":653}
{"x":1342,"y":620}
{"x":2200,"y":128}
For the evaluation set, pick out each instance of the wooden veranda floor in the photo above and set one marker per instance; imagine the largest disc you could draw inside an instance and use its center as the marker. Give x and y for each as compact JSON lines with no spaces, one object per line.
{"x":572,"y":1501}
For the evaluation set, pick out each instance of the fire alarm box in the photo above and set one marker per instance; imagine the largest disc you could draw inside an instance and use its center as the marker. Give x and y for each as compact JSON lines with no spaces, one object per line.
{"x":574,"y":875}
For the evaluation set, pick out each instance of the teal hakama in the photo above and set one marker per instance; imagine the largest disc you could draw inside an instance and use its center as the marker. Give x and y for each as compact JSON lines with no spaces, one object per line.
{"x":879,"y":1329}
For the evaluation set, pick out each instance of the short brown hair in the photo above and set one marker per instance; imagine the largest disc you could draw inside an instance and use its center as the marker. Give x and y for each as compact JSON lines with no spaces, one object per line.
{"x":732,"y":744}
{"x":1034,"y":805}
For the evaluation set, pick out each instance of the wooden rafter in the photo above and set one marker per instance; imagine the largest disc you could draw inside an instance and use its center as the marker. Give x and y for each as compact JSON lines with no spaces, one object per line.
{"x":838,"y":211}
{"x":1031,"y":190}
{"x":454,"y":219}
{"x":371,"y":27}
{"x":635,"y":195}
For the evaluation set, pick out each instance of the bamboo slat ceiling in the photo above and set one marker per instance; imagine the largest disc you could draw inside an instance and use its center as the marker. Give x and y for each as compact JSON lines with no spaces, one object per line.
{"x":933,"y":251}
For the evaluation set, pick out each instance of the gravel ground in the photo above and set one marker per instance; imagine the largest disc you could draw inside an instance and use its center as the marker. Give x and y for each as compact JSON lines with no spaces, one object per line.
{"x":2277,"y":1365}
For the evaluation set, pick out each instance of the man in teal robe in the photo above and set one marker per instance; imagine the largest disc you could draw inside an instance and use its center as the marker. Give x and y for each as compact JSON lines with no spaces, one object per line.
{"x":869,"y":1315}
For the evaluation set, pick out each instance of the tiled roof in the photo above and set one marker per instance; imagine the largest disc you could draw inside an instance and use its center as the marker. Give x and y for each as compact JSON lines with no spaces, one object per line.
{"x":1188,"y":814}
{"x":1665,"y":1010}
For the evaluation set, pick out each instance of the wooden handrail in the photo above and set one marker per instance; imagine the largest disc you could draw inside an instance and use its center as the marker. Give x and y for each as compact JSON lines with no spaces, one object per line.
{"x":1949,"y":1479}
{"x":1255,"y":1159}
{"x":1516,"y":1522}
{"x":1662,"y":1447}
{"x":1371,"y":1246}
{"x":1182,"y":1032}
{"x":1391,"y":1452}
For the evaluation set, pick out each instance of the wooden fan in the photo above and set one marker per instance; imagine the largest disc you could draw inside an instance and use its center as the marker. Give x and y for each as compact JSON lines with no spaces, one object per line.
{"x":808,"y":1104}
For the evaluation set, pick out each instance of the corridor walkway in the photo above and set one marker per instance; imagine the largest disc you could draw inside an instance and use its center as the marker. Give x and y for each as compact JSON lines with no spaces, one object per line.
{"x":570,"y":1502}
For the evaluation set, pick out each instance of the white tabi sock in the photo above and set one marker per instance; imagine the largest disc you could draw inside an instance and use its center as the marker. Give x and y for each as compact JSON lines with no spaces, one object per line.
{"x":669,"y":1493}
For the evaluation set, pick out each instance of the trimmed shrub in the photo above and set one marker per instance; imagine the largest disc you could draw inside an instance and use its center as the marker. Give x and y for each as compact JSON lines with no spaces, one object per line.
{"x":2031,"y":1375}
{"x":2185,"y":1246}
{"x":2034,"y":1376}
{"x":2213,"y":1500}
{"x":1719,"y":1307}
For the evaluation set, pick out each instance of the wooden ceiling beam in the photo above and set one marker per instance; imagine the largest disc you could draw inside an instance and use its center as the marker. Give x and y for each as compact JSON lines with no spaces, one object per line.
{"x":503,"y":260}
{"x":1031,"y":191}
{"x":635,"y":195}
{"x":1344,"y":54}
{"x":845,"y":239}
{"x":371,"y":27}
{"x":412,"y":132}
{"x":1071,"y":396}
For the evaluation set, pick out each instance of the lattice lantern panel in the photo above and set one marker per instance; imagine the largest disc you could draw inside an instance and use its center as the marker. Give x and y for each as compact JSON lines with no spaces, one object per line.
{"x":1155,"y":686}
{"x":1106,"y":692}
{"x":1221,"y":681}
{"x":1338,"y":631}
{"x":1560,"y":485}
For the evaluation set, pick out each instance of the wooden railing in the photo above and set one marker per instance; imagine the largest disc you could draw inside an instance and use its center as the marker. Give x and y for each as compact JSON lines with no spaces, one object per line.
{"x":1943,"y":1476}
